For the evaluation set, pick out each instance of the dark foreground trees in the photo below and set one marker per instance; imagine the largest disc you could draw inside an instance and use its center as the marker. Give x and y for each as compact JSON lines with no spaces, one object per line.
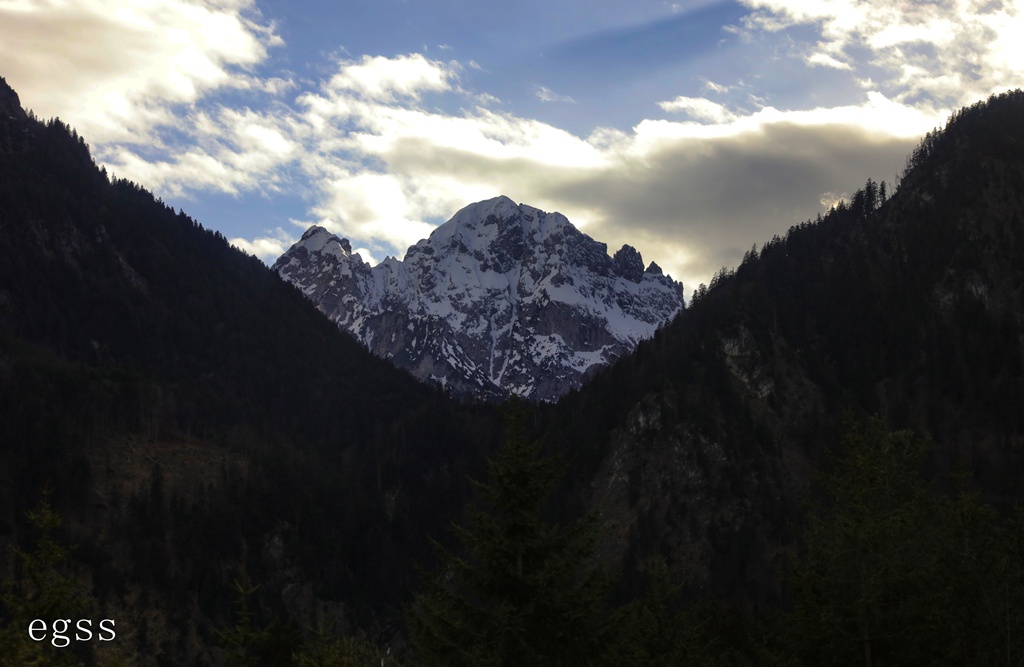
{"x":889,"y":570}
{"x":894,"y":573}
{"x":53,"y":599}
{"x":522,"y":590}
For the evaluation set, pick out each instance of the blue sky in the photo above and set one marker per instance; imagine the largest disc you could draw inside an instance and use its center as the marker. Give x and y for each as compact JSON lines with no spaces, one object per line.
{"x":691,"y":130}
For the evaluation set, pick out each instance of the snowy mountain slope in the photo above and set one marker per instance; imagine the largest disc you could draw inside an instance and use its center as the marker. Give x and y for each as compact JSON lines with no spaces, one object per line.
{"x":500,"y":299}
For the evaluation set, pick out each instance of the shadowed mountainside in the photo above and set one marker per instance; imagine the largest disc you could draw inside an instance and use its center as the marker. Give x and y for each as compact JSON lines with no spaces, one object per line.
{"x":197,"y":417}
{"x":911,"y":307}
{"x":201,"y":423}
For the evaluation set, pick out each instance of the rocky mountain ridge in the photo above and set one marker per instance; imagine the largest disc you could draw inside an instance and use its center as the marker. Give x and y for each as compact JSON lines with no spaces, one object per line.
{"x":502,"y":299}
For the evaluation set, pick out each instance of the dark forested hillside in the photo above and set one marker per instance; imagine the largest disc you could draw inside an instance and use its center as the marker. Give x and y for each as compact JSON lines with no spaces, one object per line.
{"x":829,"y":441}
{"x":196,"y":418}
{"x":908,"y":305}
{"x":818,"y":462}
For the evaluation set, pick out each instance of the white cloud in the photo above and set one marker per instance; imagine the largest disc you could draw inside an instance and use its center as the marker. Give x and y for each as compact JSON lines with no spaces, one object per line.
{"x":691,"y":196}
{"x":952,"y":52}
{"x":267,"y":248}
{"x":545,"y":94}
{"x":380,"y":165}
{"x":380,"y":168}
{"x":825,"y":60}
{"x":716,"y":87}
{"x":367,"y":256}
{"x":486,"y":99}
{"x":385,"y":79}
{"x":231,"y":151}
{"x":699,"y":108}
{"x":373,"y":207}
{"x":115,"y":68}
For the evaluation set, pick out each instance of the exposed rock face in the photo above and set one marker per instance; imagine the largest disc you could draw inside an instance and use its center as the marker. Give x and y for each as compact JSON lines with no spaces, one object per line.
{"x":501,"y":299}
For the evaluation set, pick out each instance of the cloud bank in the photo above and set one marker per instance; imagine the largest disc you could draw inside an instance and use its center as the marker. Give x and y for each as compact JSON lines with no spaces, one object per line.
{"x":691,"y":195}
{"x":181,"y":96}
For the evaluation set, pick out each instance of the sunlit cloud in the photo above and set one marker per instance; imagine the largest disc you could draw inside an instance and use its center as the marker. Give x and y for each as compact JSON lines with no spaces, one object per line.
{"x":116,"y":70}
{"x":825,"y":60}
{"x":690,"y":195}
{"x":268,"y":248}
{"x":383,"y":148}
{"x":231,"y":151}
{"x":699,"y":108}
{"x":383,"y":169}
{"x":385,"y":79}
{"x":952,"y":52}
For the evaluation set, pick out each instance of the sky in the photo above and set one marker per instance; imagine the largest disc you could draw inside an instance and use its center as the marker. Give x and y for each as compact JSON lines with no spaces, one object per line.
{"x":692,"y":130}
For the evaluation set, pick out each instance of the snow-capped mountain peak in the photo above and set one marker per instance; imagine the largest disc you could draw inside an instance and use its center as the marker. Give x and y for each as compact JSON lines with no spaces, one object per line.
{"x":502,"y":298}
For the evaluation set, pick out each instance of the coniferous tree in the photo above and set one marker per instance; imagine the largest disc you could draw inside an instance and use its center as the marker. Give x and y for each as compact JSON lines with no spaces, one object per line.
{"x":50,"y":592}
{"x":650,"y":630}
{"x":47,"y":591}
{"x":523,"y":590}
{"x":864,"y":586}
{"x":273,"y":645}
{"x":894,"y":574}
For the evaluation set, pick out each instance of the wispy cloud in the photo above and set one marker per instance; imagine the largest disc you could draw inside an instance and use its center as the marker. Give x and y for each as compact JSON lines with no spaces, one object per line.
{"x":639,"y":50}
{"x":713,"y":87}
{"x":545,"y":94}
{"x":699,"y":108}
{"x":825,"y":60}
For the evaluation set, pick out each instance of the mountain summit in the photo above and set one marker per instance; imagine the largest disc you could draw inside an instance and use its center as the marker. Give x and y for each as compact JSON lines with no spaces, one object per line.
{"x":501,"y":299}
